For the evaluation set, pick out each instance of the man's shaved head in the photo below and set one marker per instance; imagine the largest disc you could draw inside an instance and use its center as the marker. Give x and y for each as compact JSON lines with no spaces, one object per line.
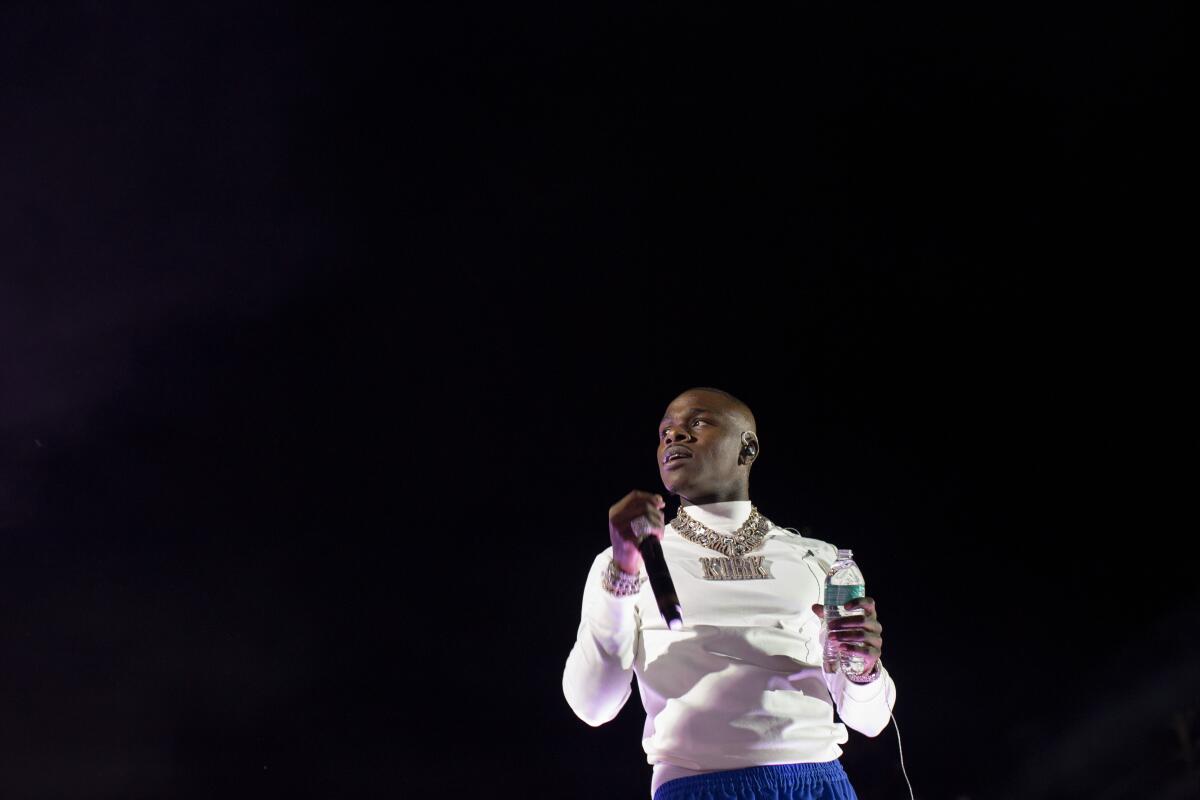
{"x":735,"y":406}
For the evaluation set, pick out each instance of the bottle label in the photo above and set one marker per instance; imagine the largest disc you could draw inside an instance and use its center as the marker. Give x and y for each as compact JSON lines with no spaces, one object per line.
{"x":840,"y":595}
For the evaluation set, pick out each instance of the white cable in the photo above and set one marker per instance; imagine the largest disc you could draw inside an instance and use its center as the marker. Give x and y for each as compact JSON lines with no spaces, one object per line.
{"x":901,"y":748}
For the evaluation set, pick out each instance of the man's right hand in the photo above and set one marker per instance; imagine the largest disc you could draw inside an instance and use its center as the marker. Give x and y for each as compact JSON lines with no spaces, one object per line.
{"x":624,"y":540}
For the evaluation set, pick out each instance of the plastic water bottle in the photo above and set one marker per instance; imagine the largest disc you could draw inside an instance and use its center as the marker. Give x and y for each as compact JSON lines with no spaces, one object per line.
{"x":844,"y":583}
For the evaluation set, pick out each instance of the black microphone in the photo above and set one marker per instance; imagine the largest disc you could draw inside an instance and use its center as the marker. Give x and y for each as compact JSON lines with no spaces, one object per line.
{"x":660,"y":576}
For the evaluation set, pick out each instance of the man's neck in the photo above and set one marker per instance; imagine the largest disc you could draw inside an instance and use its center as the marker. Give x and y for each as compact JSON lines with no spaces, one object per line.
{"x":725,"y":516}
{"x":740,"y":493}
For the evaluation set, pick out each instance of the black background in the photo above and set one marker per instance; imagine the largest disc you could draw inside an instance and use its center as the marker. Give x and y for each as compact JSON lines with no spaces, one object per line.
{"x":330,"y":336}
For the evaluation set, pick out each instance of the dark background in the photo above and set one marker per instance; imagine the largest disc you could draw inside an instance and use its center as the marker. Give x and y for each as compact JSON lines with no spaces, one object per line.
{"x":328,"y":337}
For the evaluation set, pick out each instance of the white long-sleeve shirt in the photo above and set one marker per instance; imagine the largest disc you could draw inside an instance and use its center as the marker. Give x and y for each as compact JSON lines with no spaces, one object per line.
{"x":742,"y":683}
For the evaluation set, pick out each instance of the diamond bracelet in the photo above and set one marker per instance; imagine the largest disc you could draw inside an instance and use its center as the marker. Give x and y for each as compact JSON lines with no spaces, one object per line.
{"x":619,"y":583}
{"x":869,"y":677}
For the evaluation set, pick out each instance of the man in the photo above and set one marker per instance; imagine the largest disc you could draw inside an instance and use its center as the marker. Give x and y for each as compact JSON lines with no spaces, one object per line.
{"x":739,"y":702}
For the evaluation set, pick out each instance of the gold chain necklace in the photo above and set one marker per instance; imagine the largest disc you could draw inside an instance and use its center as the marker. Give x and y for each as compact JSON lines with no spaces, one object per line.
{"x":736,"y":566}
{"x":744,"y":540}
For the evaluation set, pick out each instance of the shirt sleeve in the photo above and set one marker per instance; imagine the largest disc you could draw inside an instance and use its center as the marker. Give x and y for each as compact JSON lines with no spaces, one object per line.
{"x":598,"y":677}
{"x":865,"y":707}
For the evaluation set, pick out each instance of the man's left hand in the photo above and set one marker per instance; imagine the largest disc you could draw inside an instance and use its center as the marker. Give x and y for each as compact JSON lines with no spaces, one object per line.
{"x":857,"y":634}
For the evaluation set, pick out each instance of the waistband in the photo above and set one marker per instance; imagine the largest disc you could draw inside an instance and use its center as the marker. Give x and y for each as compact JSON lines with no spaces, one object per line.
{"x":772,"y":776}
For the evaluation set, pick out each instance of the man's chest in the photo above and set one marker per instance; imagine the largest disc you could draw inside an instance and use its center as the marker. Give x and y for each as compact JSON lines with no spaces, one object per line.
{"x":775,"y":585}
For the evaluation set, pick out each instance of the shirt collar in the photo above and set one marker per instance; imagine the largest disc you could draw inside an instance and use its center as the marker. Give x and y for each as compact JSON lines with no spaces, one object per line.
{"x":724,"y":517}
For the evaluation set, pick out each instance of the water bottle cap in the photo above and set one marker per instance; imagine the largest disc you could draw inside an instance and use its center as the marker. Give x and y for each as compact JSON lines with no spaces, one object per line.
{"x":845,"y":552}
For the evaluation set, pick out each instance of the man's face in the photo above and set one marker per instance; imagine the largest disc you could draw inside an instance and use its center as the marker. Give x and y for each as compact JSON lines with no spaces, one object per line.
{"x":699,"y":440}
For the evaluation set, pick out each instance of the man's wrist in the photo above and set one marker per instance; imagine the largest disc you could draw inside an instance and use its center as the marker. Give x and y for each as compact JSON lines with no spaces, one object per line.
{"x":620,"y":583}
{"x":867,"y":677}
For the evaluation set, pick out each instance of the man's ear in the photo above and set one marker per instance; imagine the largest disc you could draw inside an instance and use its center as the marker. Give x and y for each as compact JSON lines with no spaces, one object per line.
{"x":749,"y":447}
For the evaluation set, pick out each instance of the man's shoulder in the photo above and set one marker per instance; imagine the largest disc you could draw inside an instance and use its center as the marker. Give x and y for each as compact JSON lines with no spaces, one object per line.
{"x":803,"y":540}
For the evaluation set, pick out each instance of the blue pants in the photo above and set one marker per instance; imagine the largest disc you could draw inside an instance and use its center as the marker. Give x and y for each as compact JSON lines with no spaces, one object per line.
{"x":821,"y":781}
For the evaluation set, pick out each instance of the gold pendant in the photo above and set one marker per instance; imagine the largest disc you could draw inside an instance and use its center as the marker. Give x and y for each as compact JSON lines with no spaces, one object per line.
{"x":738,"y":568}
